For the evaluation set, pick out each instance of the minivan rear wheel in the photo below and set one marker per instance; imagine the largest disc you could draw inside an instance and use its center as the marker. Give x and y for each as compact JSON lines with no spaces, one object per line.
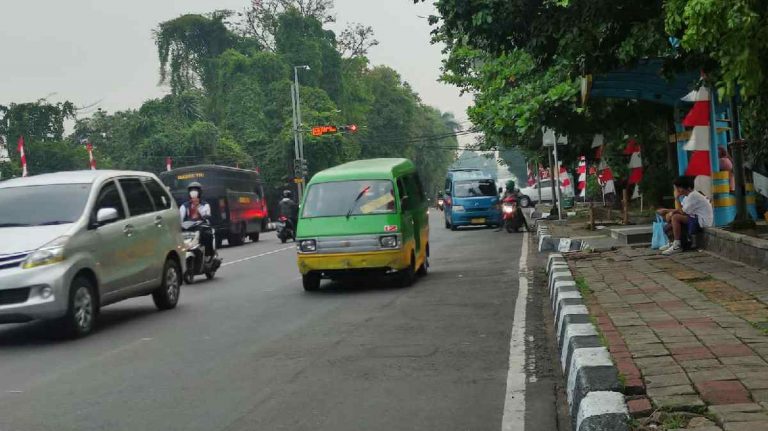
{"x":525,"y":201}
{"x":167,"y":295}
{"x":81,"y":313}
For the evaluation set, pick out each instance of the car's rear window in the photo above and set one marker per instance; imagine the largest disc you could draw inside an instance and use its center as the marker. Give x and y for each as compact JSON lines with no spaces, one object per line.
{"x":474,"y":188}
{"x":42,"y":205}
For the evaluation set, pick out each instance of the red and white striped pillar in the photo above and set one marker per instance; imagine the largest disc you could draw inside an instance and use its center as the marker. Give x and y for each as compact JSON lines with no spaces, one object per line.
{"x":582,"y":171}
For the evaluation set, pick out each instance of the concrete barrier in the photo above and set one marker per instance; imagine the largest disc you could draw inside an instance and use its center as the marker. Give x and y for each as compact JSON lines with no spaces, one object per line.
{"x":593,"y":387}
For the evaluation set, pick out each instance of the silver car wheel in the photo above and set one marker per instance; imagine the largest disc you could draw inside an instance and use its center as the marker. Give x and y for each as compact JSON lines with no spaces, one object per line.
{"x":83,"y":308}
{"x":172,"y":284}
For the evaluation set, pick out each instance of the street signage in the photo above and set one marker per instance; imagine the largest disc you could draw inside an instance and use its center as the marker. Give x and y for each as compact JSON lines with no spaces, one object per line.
{"x":322,"y":130}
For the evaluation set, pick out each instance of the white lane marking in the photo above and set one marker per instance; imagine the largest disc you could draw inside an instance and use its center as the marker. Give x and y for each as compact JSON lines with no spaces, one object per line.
{"x":267,"y":253}
{"x":514,"y":401}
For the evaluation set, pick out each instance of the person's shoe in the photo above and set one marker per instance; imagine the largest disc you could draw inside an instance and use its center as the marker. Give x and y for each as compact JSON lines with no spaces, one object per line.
{"x":674,"y":249}
{"x":665,"y":247}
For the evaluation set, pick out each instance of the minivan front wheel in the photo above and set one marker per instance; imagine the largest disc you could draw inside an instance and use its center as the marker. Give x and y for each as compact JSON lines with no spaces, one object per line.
{"x":81,"y":313}
{"x":167,"y":295}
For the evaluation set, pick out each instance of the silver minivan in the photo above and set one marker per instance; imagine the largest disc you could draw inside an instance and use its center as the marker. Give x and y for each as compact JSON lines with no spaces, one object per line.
{"x":73,"y":242}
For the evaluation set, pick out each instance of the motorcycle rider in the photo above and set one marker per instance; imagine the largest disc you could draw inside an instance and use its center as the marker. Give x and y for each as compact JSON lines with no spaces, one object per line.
{"x":197,"y":209}
{"x":288,"y":208}
{"x":510,"y":198}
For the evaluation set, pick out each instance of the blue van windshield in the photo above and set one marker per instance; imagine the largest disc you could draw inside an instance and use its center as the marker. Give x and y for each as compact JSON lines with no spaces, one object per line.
{"x":474,"y":188}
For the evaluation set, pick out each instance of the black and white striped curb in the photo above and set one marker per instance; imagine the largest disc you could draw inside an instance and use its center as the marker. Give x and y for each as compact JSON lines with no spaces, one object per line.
{"x":593,"y":387}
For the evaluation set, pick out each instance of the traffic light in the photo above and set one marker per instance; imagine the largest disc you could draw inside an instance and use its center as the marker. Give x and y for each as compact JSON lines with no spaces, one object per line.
{"x":300,"y":168}
{"x":304,"y":168}
{"x":350,"y":128}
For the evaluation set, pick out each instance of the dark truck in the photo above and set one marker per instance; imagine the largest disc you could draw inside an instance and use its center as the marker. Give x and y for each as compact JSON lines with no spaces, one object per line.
{"x":236,"y":196}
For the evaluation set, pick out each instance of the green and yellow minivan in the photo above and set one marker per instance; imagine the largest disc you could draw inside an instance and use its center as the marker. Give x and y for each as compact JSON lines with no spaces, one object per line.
{"x":367,"y":216}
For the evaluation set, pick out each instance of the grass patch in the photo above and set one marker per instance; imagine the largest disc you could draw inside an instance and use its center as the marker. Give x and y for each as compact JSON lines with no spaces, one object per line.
{"x":583,"y":287}
{"x":674,"y":421}
{"x":761,"y":326}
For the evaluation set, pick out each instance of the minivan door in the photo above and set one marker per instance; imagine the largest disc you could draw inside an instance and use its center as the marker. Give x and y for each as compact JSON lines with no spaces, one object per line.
{"x":110,"y":245}
{"x":143,"y":232}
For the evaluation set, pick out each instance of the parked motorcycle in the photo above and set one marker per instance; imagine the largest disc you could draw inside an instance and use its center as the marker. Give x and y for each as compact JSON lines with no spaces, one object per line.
{"x":285,"y":230}
{"x":197,"y":261}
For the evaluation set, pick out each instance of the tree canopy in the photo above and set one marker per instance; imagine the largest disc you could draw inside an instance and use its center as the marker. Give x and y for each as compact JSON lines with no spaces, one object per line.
{"x":229,"y":103}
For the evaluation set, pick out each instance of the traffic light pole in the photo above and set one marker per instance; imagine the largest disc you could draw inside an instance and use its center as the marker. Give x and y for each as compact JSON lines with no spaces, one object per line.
{"x":296,"y":137}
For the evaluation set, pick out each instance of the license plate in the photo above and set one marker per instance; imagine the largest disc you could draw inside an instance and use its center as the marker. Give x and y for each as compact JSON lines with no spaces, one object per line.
{"x":477,"y":221}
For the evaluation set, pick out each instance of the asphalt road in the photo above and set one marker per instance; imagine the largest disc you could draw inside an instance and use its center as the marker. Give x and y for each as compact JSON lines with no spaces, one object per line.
{"x":250,"y":350}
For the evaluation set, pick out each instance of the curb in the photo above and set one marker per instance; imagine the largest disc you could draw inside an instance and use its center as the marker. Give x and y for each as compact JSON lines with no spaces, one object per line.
{"x":548,"y":242}
{"x":593,"y":388}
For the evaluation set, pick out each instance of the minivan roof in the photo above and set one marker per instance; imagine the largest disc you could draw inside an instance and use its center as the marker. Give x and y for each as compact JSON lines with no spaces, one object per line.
{"x":207,"y":167}
{"x":369,"y":169}
{"x":68,"y":177}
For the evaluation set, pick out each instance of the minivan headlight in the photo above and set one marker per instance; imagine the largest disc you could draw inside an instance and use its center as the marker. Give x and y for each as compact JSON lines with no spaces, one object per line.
{"x":389,"y":241}
{"x":50,"y":253}
{"x":307,"y":246}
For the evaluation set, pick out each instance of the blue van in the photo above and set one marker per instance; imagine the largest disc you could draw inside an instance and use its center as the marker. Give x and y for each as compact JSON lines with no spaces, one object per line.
{"x":471,"y":199}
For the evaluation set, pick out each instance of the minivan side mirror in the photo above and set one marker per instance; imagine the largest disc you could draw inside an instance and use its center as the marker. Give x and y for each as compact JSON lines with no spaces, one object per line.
{"x":106,"y":215}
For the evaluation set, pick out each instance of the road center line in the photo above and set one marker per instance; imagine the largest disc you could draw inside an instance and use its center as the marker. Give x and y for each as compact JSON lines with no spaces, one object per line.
{"x":267,"y":253}
{"x":514,"y":401}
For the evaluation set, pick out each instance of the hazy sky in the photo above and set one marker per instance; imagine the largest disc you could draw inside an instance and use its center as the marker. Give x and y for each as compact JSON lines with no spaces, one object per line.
{"x":90,"y":51}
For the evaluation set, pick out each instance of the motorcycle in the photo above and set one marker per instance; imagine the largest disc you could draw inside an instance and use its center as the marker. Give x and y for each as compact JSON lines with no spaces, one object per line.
{"x":284,"y":229}
{"x":510,"y":216}
{"x":197,"y":260}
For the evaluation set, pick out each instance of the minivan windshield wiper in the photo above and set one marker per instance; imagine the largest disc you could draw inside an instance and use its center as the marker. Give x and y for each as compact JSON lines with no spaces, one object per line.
{"x":14,"y":224}
{"x":359,"y":195}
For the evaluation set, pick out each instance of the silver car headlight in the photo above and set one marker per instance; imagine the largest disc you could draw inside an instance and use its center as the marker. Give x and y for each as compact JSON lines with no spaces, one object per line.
{"x":50,"y":253}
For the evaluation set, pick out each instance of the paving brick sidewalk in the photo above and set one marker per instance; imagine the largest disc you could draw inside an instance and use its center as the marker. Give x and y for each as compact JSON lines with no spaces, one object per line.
{"x":687,"y":333}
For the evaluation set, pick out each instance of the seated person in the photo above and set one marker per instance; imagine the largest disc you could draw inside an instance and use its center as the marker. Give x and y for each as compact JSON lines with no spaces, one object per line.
{"x":696,"y":213}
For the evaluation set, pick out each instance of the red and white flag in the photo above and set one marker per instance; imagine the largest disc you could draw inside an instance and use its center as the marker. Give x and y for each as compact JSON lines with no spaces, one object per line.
{"x":91,"y":159}
{"x":564,"y":180}
{"x":531,"y":177}
{"x":582,"y":171}
{"x":605,"y":178}
{"x":24,"y":172}
{"x":167,"y":163}
{"x":635,"y":162}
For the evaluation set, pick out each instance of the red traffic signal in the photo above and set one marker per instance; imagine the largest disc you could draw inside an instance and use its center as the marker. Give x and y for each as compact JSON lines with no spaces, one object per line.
{"x":350,"y":128}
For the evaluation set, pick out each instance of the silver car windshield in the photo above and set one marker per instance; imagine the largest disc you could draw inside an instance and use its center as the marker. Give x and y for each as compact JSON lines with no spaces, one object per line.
{"x":42,"y":205}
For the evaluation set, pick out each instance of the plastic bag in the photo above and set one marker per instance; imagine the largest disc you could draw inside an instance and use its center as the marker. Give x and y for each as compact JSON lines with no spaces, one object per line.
{"x":659,"y":238}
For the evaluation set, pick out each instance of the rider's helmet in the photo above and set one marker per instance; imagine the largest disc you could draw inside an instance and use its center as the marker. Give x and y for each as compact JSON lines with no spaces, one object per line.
{"x":195,"y":186}
{"x":287,"y":194}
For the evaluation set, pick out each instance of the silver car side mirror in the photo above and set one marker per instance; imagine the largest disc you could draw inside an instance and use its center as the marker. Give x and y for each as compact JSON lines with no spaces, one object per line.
{"x":106,"y":215}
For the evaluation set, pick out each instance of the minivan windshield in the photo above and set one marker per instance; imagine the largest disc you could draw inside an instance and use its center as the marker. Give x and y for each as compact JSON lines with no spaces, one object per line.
{"x":346,"y":198}
{"x":42,"y":205}
{"x":474,"y":188}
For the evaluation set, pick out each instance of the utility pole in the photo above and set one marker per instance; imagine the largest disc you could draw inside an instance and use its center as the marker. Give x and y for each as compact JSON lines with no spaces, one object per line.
{"x":742,"y":219}
{"x":297,"y":132}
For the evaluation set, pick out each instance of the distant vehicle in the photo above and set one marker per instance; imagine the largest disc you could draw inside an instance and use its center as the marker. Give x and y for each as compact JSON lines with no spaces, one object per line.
{"x":529,"y":196}
{"x":73,"y":242}
{"x":471,"y":199}
{"x":364,"y":217}
{"x":236,"y":197}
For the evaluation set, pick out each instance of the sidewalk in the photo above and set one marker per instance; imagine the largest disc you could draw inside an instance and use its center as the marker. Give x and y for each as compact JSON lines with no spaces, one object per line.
{"x":688,"y":333}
